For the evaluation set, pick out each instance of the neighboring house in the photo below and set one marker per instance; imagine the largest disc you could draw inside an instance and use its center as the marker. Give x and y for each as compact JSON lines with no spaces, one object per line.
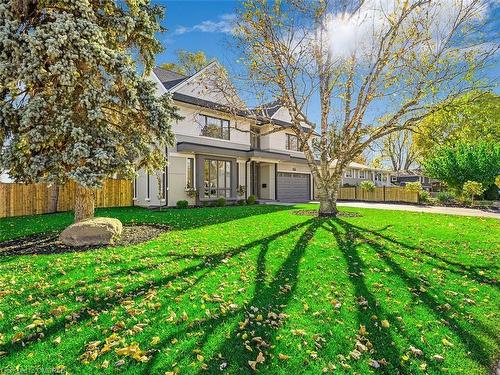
{"x":401,"y":178}
{"x":356,"y":173}
{"x":221,"y":153}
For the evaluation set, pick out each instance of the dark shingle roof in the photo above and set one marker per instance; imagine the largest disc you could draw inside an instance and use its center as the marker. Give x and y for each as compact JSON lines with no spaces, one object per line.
{"x":169,"y":78}
{"x":268,"y":109}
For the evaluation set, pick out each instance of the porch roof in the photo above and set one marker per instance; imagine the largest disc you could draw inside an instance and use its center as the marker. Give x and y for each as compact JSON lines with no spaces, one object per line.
{"x":228,"y":151}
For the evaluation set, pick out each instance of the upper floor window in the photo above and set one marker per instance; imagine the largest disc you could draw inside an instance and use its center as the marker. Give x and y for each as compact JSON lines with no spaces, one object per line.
{"x":362,"y":174}
{"x":214,"y":127}
{"x":292,"y":143}
{"x":349,"y":173}
{"x":255,"y":138}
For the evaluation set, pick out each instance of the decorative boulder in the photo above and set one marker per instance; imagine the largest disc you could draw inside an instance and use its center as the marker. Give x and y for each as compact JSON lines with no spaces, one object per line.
{"x":96,"y":231}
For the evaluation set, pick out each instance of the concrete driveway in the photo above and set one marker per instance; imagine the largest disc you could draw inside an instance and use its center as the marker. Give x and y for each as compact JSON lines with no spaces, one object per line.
{"x":429,"y":209}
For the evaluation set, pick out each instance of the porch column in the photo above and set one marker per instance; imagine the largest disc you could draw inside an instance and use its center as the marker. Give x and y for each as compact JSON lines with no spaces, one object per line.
{"x":275,"y":181}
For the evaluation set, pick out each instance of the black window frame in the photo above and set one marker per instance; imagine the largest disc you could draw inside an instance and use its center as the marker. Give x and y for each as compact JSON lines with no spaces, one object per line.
{"x":223,"y":124}
{"x":255,"y":138}
{"x":214,"y":192}
{"x":288,"y":144}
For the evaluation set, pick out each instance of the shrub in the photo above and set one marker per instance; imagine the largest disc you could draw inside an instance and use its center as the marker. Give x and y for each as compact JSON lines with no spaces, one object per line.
{"x":241,"y":202}
{"x":251,"y":199}
{"x":221,"y":202}
{"x":472,"y":189}
{"x":465,"y":201}
{"x":367,"y":185}
{"x":445,"y":196}
{"x":191,"y":192}
{"x":424,"y":196}
{"x":182,"y":204}
{"x":414,"y":187}
{"x":241,"y":191}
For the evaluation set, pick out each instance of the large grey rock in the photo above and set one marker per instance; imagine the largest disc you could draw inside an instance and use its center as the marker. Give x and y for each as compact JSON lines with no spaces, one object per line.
{"x":96,"y":231}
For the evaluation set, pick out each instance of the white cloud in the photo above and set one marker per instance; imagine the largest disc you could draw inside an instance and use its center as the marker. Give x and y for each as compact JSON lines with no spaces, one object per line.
{"x":360,"y":32}
{"x":223,"y":24}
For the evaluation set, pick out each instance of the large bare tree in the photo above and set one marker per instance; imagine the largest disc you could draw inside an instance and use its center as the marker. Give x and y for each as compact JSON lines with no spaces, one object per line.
{"x":398,"y":148}
{"x":368,"y":68}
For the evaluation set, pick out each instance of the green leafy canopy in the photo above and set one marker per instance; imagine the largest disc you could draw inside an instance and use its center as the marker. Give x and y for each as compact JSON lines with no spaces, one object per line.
{"x":463,"y":162}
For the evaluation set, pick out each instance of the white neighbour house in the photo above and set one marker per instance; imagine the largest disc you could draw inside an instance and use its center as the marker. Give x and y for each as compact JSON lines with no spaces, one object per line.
{"x":218,"y":153}
{"x":356,"y":173}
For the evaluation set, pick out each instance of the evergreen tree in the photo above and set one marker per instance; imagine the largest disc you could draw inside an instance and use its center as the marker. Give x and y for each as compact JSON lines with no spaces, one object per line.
{"x":74,"y":104}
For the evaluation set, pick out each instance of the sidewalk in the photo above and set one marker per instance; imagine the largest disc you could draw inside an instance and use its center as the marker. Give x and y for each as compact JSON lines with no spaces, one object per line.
{"x":429,"y":209}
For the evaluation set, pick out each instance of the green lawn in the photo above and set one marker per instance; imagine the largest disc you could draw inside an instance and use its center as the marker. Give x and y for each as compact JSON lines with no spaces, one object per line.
{"x":389,"y":289}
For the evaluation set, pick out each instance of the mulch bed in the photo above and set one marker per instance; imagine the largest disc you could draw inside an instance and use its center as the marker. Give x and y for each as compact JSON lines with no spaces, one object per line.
{"x":315,"y":213}
{"x":47,"y":243}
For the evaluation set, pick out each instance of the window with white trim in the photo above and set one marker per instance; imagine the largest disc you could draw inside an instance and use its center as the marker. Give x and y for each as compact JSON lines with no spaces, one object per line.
{"x":362,"y":174}
{"x":348,"y":173}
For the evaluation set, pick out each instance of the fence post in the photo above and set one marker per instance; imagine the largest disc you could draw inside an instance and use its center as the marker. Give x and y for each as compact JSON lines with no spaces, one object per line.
{"x":384,"y":191}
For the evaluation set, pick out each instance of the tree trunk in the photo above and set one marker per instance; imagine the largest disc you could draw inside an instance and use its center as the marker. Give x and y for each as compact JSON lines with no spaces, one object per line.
{"x":84,"y":203}
{"x":328,"y":200}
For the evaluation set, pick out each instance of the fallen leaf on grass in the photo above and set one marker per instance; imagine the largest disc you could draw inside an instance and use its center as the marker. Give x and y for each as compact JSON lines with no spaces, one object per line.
{"x":298,"y":332}
{"x":447,"y":343}
{"x":416,"y":352}
{"x":438,"y":358}
{"x":260,"y":359}
{"x":385,"y":323}
{"x":283,"y":357}
{"x":133,"y":351}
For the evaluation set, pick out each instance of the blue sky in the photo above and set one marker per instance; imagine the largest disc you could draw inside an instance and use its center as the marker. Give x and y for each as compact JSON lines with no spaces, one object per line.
{"x":205,"y":25}
{"x":197,"y":25}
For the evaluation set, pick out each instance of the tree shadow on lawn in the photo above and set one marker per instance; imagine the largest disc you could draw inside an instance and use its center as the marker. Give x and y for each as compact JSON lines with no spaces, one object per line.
{"x":269,"y":300}
{"x":471,"y":271}
{"x":471,"y":342}
{"x":93,"y":306}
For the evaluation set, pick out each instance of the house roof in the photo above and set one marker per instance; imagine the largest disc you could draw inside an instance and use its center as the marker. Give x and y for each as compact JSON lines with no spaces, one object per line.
{"x":172,"y":81}
{"x":268,"y":109}
{"x":169,"y":78}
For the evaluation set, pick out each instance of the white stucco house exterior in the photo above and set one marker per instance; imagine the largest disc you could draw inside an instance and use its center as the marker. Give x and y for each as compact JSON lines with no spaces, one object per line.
{"x":222,"y":154}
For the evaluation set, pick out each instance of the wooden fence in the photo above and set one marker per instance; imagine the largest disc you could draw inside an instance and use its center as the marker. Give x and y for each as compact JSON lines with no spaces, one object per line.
{"x":380,"y":194}
{"x":20,"y":199}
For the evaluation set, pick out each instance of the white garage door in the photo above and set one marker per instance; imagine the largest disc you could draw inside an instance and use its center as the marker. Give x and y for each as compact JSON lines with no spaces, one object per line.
{"x":293,"y":187}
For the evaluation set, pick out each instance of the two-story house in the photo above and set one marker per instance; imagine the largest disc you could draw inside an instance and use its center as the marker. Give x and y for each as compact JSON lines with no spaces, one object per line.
{"x":219,"y":152}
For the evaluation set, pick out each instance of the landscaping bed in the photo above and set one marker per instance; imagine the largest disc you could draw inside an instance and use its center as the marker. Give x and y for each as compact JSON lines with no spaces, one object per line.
{"x":48,"y":243}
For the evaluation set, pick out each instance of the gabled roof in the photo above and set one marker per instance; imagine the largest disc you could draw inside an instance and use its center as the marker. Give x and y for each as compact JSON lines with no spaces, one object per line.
{"x":169,"y":78}
{"x":268,"y":109}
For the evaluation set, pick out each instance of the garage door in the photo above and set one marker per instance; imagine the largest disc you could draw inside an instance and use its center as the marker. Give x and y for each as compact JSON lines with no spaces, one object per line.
{"x":293,"y":187}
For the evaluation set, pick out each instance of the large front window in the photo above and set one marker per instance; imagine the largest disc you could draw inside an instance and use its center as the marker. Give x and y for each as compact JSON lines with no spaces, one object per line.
{"x":217,"y":177}
{"x":214,"y":127}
